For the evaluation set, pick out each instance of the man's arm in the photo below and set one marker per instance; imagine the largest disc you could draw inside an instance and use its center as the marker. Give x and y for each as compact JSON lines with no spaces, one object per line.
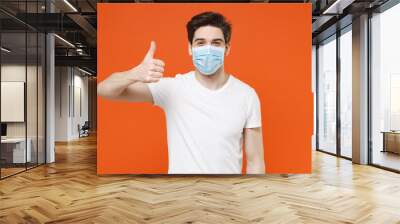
{"x":131,"y":84}
{"x":254,"y":151}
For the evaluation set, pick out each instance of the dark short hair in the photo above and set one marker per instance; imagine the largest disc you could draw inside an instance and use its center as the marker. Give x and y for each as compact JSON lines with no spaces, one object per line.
{"x":209,"y":19}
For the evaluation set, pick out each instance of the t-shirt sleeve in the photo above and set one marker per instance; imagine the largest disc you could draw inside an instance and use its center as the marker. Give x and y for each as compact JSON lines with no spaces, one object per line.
{"x":253,"y":119}
{"x":161,"y":91}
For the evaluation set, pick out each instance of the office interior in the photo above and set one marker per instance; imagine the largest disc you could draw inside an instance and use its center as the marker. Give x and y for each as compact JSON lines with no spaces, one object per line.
{"x":373,"y":83}
{"x":48,"y":82}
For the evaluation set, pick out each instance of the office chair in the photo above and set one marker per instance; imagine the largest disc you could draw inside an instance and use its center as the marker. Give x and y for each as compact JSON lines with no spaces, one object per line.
{"x":84,"y":130}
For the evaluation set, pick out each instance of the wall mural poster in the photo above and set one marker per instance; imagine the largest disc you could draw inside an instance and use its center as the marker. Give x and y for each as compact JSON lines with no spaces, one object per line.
{"x":204,"y":88}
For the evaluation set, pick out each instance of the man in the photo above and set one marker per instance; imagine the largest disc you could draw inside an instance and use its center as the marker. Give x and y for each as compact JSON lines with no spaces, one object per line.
{"x":209,"y":112}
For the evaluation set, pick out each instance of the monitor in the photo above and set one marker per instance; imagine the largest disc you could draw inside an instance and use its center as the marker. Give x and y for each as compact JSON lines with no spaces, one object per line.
{"x":3,"y":129}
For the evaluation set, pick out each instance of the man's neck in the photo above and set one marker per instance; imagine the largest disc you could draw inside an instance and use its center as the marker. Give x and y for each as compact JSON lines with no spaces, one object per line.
{"x":213,"y":82}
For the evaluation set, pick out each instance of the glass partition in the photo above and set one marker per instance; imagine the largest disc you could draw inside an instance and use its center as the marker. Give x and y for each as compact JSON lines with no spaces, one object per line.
{"x":22,"y":62}
{"x":327,"y":95}
{"x":41,"y":111}
{"x":14,"y":153}
{"x":31,"y":100}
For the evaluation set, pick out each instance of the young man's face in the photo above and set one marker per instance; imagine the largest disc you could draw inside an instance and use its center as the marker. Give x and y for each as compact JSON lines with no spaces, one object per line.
{"x":209,"y":35}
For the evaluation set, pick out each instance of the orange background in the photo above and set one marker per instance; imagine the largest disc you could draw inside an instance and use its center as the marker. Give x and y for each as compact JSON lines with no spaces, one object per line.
{"x":271,"y":51}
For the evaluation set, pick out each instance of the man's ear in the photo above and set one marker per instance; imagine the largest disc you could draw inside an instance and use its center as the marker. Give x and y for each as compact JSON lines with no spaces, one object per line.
{"x":190,"y":49}
{"x":227,"y":49}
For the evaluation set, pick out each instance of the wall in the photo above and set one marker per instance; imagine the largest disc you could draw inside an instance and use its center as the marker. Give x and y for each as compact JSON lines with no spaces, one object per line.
{"x":15,"y":72}
{"x":61,"y":103}
{"x":71,"y":102}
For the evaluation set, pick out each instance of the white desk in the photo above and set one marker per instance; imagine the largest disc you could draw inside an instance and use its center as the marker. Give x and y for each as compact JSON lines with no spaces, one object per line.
{"x":18,"y":150}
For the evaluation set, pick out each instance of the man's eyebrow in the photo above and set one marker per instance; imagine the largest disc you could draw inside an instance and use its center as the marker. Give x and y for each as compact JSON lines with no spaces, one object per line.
{"x":198,"y":39}
{"x":214,"y":40}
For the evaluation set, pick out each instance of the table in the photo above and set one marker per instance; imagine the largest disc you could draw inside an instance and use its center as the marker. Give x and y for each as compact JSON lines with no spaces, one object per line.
{"x":391,"y":141}
{"x":13,"y":150}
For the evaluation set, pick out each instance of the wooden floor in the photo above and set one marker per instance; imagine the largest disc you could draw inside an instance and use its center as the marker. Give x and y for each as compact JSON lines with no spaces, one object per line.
{"x":69,"y":191}
{"x":5,"y":172}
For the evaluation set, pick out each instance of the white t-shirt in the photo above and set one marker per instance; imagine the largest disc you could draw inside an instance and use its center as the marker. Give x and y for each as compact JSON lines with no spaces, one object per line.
{"x":205,"y":127}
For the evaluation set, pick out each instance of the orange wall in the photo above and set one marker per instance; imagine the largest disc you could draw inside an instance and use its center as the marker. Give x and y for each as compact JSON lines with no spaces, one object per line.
{"x":271,"y":51}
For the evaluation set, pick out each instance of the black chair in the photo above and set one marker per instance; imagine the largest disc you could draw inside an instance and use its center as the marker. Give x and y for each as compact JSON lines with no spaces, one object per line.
{"x":84,"y":130}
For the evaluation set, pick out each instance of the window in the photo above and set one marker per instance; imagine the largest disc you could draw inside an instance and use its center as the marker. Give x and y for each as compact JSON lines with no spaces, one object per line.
{"x":346,"y":93}
{"x":385,"y":89}
{"x":327,"y":95}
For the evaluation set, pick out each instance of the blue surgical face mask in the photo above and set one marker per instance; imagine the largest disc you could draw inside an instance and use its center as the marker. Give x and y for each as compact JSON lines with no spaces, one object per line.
{"x":208,"y":59}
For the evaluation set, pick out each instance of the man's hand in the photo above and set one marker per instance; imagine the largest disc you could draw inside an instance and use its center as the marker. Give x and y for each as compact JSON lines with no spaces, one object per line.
{"x":131,"y":84}
{"x":149,"y":70}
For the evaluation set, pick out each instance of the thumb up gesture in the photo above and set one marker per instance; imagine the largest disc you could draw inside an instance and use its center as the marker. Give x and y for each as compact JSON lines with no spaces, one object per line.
{"x":150,"y":69}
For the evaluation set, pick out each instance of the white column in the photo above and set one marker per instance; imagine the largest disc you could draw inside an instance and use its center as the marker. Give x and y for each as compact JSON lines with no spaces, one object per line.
{"x":360,"y":90}
{"x":50,"y":92}
{"x":50,"y":110}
